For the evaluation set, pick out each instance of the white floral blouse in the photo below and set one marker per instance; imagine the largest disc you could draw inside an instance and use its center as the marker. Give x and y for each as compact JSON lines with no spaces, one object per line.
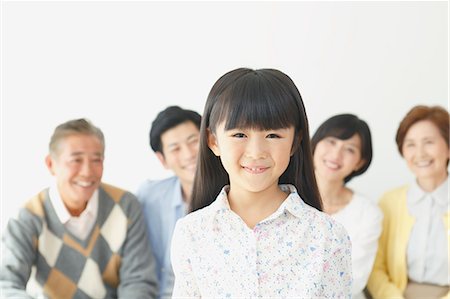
{"x":296,"y":252}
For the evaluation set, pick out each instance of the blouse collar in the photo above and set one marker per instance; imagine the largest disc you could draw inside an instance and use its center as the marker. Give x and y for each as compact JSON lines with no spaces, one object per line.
{"x":292,"y":204}
{"x":440,"y":194}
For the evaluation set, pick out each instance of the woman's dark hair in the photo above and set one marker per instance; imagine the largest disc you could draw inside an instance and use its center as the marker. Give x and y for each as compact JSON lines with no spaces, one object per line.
{"x":259,"y":99}
{"x":343,"y":127}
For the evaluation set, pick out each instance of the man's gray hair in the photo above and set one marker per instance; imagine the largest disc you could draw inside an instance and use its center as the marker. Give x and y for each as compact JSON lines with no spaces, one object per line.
{"x":74,"y":127}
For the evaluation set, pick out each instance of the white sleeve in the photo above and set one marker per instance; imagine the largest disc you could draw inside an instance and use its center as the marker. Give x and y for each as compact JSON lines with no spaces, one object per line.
{"x":185,"y":285}
{"x":365,"y":245}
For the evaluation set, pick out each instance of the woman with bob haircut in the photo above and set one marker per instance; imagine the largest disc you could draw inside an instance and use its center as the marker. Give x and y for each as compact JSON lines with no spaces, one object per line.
{"x":413,"y":255}
{"x":342,"y":149}
{"x":256,"y":229}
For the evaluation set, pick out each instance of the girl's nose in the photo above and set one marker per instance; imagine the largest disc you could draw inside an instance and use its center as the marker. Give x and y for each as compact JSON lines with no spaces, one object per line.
{"x":256,"y":149}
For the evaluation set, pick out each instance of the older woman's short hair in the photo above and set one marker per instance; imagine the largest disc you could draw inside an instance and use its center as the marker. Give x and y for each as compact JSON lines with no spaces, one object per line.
{"x":436,"y":114}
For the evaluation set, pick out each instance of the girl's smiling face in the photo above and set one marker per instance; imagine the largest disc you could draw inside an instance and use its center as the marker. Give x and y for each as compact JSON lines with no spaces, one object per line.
{"x":253,"y":159}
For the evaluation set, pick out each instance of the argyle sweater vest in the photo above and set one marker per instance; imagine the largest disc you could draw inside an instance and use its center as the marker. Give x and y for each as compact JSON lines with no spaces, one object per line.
{"x":68,"y":267}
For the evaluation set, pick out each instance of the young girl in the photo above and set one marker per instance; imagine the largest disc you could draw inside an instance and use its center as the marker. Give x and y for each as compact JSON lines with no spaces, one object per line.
{"x":256,"y":229}
{"x":342,"y":149}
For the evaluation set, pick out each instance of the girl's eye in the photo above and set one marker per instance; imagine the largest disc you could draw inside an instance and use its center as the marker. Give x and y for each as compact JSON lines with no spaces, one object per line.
{"x":273,"y":135}
{"x":239,"y":135}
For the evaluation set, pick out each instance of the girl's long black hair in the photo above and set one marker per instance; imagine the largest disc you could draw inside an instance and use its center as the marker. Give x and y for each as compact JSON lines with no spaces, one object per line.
{"x":260,"y":99}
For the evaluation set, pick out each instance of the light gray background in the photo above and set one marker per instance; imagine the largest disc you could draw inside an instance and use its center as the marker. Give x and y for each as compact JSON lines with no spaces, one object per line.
{"x":119,"y":63}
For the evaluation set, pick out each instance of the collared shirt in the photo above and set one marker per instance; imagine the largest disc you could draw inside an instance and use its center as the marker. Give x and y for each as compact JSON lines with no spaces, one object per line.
{"x":295,"y":252}
{"x":162,"y":205}
{"x":427,"y":253}
{"x":362,"y":219}
{"x":79,"y":226}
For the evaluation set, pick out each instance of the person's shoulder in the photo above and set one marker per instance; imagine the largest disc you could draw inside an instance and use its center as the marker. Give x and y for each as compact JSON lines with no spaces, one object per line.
{"x":149,"y":189}
{"x":35,"y":204}
{"x":200,"y":215}
{"x":113,"y":199}
{"x":395,"y":192}
{"x":192,"y":229}
{"x":365,"y":205}
{"x":332,"y":230}
{"x":199,"y":219}
{"x":30,"y":216}
{"x":165,"y":183}
{"x":119,"y":196}
{"x":366,"y":212}
{"x":324,"y":224}
{"x":114,"y":192}
{"x":394,"y":196}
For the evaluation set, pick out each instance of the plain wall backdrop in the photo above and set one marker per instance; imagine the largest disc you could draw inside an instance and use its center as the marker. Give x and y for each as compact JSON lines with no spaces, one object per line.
{"x":120,"y":63}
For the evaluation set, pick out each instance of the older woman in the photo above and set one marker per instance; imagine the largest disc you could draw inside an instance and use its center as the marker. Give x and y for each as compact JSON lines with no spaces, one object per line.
{"x":413,"y":254}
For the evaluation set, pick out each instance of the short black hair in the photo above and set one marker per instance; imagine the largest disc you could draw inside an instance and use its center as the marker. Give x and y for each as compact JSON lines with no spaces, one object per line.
{"x":167,"y":119}
{"x":343,"y":127}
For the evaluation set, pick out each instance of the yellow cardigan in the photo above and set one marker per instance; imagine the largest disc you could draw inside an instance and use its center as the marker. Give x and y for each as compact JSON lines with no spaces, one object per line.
{"x":389,"y":276}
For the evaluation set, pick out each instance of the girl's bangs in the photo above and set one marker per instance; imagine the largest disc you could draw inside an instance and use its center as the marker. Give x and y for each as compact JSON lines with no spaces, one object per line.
{"x":255,"y":105}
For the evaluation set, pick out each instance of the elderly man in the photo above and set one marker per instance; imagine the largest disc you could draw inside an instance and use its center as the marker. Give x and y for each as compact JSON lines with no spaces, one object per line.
{"x":86,"y":239}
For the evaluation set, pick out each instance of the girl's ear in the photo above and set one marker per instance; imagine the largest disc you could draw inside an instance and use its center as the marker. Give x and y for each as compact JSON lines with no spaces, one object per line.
{"x":212,"y":143}
{"x":297,"y":141}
